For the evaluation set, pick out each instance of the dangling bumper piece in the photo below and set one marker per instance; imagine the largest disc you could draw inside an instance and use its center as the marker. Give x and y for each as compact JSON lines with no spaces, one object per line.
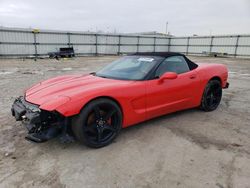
{"x":42,"y":125}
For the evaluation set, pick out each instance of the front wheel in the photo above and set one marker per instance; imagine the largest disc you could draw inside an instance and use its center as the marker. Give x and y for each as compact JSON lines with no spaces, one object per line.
{"x":98,"y":124}
{"x":211,"y":96}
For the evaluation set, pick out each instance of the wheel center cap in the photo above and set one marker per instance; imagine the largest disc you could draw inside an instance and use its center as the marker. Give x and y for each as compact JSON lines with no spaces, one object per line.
{"x":101,"y":122}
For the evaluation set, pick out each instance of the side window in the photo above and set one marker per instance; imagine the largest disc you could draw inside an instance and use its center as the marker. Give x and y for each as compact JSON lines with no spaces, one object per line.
{"x":173,"y":64}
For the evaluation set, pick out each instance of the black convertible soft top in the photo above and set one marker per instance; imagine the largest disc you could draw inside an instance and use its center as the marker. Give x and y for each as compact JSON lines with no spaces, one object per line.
{"x":191,"y":64}
{"x":161,"y":54}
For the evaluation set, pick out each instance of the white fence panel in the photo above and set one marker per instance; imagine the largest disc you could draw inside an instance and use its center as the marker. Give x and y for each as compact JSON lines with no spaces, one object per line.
{"x":162,"y":41}
{"x":181,"y":49}
{"x":20,"y":49}
{"x":146,"y":40}
{"x":199,"y":41}
{"x":244,"y":41}
{"x":24,"y":37}
{"x":129,"y":40}
{"x":178,"y":41}
{"x":128,"y":49}
{"x":146,"y":48}
{"x":84,"y":49}
{"x":107,"y":49}
{"x":81,"y":39}
{"x":224,"y":41}
{"x":198,"y":49}
{"x":51,"y":38}
{"x":161,"y":48}
{"x":243,"y":51}
{"x":107,"y":40}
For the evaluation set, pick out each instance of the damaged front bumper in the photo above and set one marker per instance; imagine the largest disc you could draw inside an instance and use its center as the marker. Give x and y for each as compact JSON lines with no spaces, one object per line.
{"x":42,"y":125}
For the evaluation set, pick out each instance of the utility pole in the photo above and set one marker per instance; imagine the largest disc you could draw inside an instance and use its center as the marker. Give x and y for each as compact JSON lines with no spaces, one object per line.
{"x":166,"y":27}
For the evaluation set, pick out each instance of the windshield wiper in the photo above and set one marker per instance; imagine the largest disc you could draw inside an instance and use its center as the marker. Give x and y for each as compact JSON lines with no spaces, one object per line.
{"x":100,"y":75}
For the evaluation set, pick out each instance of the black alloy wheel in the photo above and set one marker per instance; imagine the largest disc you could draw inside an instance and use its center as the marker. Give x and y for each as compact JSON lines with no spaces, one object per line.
{"x":98,"y":123}
{"x":211,"y":96}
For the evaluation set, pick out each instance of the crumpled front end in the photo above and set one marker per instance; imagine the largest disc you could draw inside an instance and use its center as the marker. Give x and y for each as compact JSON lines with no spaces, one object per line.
{"x":41,"y":125}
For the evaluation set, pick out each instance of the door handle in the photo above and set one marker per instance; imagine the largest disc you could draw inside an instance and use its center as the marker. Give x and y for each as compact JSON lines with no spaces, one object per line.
{"x":193,"y":76}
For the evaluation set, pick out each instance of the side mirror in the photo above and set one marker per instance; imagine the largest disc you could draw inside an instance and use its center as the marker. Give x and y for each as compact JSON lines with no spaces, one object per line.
{"x":168,"y":76}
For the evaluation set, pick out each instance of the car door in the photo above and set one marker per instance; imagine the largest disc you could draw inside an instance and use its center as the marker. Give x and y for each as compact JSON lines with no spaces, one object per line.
{"x":171,"y":95}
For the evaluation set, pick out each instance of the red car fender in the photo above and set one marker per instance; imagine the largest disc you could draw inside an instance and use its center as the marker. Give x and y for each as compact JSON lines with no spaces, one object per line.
{"x":131,"y":102}
{"x":212,"y":71}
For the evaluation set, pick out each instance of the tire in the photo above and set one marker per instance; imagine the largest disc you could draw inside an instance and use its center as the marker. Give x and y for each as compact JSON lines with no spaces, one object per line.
{"x":98,"y":123}
{"x":211,"y":96}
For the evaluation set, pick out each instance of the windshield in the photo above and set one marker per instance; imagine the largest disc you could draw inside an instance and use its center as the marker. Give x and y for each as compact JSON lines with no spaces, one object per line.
{"x":130,"y":67}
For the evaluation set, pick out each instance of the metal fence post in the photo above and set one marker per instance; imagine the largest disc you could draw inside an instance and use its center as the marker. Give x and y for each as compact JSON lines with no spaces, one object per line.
{"x":138,"y":42}
{"x":236,"y":45}
{"x":119,"y":45}
{"x":154,"y":43}
{"x":35,"y":44}
{"x":187,"y":45}
{"x":169,"y":44}
{"x":68,"y":34}
{"x":211,"y":44}
{"x":96,"y":45}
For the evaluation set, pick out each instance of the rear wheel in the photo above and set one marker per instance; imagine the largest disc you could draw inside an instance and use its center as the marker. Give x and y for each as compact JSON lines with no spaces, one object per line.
{"x":211,"y":96}
{"x":98,"y":123}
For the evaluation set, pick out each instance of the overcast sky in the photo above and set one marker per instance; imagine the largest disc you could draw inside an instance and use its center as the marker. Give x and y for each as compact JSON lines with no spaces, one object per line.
{"x":185,"y":17}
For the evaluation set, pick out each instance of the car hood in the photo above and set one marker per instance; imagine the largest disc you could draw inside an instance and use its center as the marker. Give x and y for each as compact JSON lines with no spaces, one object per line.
{"x":63,"y":88}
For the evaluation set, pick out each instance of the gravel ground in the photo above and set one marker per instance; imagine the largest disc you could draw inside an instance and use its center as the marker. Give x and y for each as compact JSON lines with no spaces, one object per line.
{"x":191,"y":148}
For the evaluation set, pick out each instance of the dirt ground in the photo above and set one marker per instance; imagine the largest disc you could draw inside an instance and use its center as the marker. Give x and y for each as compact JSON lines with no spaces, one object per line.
{"x":191,"y":148}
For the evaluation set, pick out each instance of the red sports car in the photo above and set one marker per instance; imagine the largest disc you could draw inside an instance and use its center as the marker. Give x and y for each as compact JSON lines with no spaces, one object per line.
{"x":93,"y":108}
